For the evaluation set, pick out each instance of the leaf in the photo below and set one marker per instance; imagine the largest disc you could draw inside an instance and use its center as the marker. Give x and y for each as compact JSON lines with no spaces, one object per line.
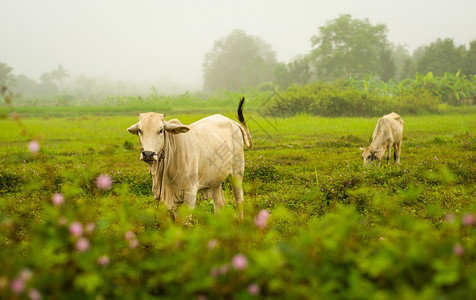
{"x":447,"y":272}
{"x":428,"y":76}
{"x":89,"y":282}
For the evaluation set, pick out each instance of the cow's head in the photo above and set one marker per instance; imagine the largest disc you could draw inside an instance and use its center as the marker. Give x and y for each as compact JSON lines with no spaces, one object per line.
{"x":369,"y":155}
{"x":151,"y":130}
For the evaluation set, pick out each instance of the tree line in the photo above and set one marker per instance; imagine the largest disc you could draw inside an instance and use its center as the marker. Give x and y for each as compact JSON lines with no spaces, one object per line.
{"x":53,"y":83}
{"x":344,"y":48}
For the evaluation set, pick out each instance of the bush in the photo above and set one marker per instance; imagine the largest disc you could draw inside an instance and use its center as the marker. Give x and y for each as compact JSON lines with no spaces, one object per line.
{"x":338,"y":99}
{"x":121,"y":254}
{"x":416,"y":102}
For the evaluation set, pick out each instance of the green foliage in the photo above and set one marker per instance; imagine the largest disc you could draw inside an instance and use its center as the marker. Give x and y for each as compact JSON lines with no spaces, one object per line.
{"x":5,"y":74}
{"x":296,"y":72}
{"x":442,"y":56}
{"x":348,"y":47}
{"x":416,"y":102}
{"x":403,"y":62}
{"x":335,"y":230}
{"x":342,"y":99}
{"x":388,"y":65}
{"x":238,"y":60}
{"x":454,"y":89}
{"x":469,"y":66}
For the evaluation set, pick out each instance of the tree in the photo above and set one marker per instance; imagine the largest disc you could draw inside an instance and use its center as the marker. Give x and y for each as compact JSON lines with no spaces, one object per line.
{"x":297,"y":72}
{"x":46,"y":80}
{"x":86,"y":85}
{"x":388,"y":65}
{"x":238,"y":60}
{"x":348,"y":47}
{"x":408,"y":69}
{"x":5,"y":75}
{"x":29,"y":87}
{"x":402,"y":58}
{"x":59,"y":74}
{"x":469,"y":67}
{"x":440,"y":57}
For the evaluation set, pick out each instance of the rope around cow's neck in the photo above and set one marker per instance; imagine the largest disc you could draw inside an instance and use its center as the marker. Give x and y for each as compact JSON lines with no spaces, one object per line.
{"x":161,"y":159}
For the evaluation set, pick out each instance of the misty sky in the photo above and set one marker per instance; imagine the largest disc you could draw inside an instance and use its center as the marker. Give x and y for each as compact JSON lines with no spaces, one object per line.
{"x":165,"y":41}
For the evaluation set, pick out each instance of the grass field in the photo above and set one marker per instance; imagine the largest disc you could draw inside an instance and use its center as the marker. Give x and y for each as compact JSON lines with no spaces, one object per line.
{"x":327,"y":212}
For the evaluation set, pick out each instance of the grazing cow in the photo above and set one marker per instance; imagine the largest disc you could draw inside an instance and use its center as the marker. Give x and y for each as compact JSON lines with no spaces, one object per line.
{"x":387,"y":133}
{"x":186,"y":159}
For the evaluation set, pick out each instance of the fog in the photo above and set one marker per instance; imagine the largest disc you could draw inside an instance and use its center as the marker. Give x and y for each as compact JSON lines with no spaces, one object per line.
{"x":163,"y":43}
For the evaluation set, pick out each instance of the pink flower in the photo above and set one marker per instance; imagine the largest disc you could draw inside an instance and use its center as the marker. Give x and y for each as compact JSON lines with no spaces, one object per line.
{"x":76,"y":229}
{"x":458,"y":249}
{"x":82,"y":244}
{"x":34,"y":294}
{"x":212,"y":244}
{"x":468,"y":219}
{"x":129,"y":235}
{"x":239,"y":262}
{"x":34,"y":146}
{"x":57,"y":199}
{"x":26,"y":274}
{"x":262,"y":218}
{"x":103,"y":261}
{"x":131,"y":238}
{"x":133,"y":243}
{"x":17,"y":285}
{"x":253,"y":289}
{"x":90,"y":228}
{"x":104,"y":182}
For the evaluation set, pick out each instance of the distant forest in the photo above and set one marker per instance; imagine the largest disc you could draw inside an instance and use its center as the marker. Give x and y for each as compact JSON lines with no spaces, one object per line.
{"x":345,"y":47}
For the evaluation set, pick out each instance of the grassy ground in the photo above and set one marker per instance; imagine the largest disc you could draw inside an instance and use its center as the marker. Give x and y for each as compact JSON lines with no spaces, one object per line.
{"x":292,"y":158}
{"x":336,"y":230}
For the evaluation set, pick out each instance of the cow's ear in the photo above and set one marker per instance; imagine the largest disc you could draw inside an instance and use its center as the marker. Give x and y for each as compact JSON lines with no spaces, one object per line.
{"x":134,"y":129}
{"x":362,"y":149}
{"x":175,"y":128}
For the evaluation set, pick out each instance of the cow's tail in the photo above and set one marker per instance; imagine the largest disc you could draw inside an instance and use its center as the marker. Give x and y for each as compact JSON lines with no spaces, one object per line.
{"x":244,"y":130}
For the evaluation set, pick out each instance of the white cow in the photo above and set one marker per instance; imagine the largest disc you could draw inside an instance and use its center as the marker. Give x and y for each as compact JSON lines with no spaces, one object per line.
{"x":387,"y":133}
{"x":186,"y":159}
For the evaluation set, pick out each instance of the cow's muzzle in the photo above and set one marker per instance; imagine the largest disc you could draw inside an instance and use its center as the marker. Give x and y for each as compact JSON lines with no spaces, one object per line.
{"x":148,"y":156}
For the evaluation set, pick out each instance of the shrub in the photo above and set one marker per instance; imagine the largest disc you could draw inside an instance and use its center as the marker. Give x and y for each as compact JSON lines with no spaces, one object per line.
{"x":415,"y":102}
{"x":122,"y":254}
{"x":340,"y":99}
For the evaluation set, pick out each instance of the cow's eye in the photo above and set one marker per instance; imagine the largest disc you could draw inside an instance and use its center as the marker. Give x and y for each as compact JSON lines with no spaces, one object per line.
{"x":368,"y":157}
{"x":140,"y":131}
{"x":160,"y":131}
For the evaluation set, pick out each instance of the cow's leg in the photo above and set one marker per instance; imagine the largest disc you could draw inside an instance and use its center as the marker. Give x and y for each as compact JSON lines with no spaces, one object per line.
{"x":218,"y":198}
{"x":398,"y":151}
{"x":189,"y":197}
{"x":395,"y":147}
{"x":389,"y":149}
{"x":236,"y":184}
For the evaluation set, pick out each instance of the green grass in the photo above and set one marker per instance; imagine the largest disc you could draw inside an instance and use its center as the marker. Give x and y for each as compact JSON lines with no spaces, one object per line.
{"x":300,"y":149}
{"x":328,"y":213}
